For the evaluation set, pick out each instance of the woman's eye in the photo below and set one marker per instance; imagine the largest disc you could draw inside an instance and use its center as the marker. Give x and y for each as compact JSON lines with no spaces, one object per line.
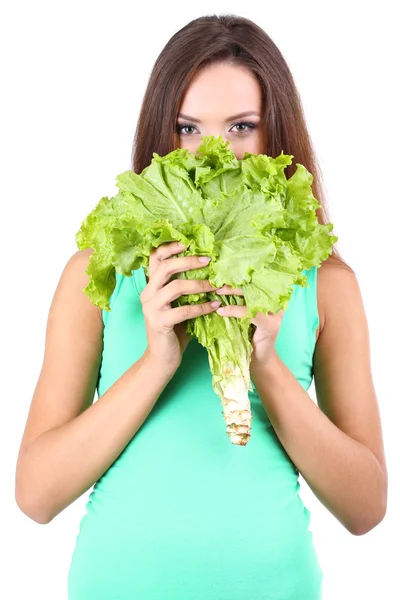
{"x":185,"y":129}
{"x":243,"y":127}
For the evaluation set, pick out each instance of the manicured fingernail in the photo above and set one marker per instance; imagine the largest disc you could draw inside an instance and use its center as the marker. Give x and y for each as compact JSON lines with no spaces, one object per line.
{"x":181,"y":245}
{"x":219,"y":290}
{"x":221,"y":310}
{"x":216,"y":303}
{"x":204,"y":259}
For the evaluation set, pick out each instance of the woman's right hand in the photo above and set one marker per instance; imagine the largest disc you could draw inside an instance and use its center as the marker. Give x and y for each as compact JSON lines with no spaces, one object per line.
{"x":165,"y":327}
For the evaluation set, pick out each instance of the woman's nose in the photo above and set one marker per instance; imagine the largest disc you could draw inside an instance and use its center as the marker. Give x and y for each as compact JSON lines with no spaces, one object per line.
{"x":217,"y":132}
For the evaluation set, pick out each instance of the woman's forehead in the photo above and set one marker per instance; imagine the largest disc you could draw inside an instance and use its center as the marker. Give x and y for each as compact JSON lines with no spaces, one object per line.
{"x":224,"y":89}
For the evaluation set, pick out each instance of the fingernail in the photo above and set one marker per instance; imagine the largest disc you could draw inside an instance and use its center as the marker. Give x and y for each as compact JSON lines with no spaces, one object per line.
{"x":216,"y":303}
{"x":204,"y":259}
{"x":219,"y":290}
{"x":221,"y":310}
{"x":181,"y":245}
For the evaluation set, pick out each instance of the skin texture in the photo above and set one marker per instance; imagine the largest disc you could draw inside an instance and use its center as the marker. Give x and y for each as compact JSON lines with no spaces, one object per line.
{"x":336,"y":445}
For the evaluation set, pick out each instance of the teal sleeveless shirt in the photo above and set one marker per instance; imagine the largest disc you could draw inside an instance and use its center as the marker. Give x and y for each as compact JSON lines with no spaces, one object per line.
{"x":182,"y":513}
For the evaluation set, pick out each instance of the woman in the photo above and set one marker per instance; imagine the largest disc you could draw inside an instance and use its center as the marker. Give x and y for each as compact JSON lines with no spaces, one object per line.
{"x":176,"y":511}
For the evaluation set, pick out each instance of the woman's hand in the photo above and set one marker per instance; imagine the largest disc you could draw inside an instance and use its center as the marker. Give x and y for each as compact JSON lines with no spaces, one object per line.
{"x":267,"y":328}
{"x":165,"y":327}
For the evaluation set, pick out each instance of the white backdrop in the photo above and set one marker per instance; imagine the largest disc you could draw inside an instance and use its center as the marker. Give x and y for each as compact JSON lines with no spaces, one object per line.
{"x":73,"y":75}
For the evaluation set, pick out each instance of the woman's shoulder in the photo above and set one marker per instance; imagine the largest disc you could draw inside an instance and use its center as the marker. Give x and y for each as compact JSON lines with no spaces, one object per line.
{"x":80,"y":259}
{"x":74,"y":279}
{"x":336,"y":284}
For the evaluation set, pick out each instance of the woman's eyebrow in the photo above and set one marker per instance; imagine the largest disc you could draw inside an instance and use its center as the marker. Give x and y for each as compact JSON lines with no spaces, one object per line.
{"x":247,"y":113}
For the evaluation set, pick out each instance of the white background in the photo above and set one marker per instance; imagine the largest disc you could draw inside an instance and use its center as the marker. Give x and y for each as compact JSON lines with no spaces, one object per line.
{"x":73,"y":75}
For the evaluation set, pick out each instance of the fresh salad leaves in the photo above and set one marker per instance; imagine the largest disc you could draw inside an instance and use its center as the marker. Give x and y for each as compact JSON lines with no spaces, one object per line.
{"x":259,"y":228}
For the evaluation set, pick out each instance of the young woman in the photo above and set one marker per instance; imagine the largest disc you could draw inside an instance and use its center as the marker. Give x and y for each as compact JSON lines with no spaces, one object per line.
{"x":177,"y":512}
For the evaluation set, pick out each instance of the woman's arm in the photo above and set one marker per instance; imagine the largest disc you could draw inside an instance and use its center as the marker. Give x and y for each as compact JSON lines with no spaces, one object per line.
{"x":69,"y":442}
{"x":337,"y":447}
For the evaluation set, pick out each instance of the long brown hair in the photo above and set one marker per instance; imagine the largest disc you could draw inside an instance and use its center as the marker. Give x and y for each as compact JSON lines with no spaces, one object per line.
{"x":227,"y":38}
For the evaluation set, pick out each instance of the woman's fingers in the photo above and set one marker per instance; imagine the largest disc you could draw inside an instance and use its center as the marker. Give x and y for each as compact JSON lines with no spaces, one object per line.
{"x":232,"y":310}
{"x":170,"y":266}
{"x":157,"y":255}
{"x":188,"y":311}
{"x":182,"y":287}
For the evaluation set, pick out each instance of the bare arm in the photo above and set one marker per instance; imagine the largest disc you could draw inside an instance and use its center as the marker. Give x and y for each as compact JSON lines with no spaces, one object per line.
{"x":337,"y":446}
{"x":64,"y":426}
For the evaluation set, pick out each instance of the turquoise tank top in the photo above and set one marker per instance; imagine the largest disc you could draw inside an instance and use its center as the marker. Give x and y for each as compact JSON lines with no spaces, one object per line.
{"x":182,"y":513}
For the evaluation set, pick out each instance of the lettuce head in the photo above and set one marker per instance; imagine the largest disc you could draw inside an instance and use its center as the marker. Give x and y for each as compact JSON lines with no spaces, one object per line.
{"x":259,"y":228}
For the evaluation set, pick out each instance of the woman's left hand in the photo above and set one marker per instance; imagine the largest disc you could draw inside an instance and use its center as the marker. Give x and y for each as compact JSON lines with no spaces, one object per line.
{"x":267,"y":327}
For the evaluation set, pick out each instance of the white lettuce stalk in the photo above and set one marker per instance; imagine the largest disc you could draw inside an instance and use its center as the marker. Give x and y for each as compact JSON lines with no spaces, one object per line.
{"x":229,"y":355}
{"x":231,"y":381}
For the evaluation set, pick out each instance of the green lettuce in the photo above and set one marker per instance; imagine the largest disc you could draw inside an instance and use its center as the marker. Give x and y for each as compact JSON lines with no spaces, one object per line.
{"x":259,"y":228}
